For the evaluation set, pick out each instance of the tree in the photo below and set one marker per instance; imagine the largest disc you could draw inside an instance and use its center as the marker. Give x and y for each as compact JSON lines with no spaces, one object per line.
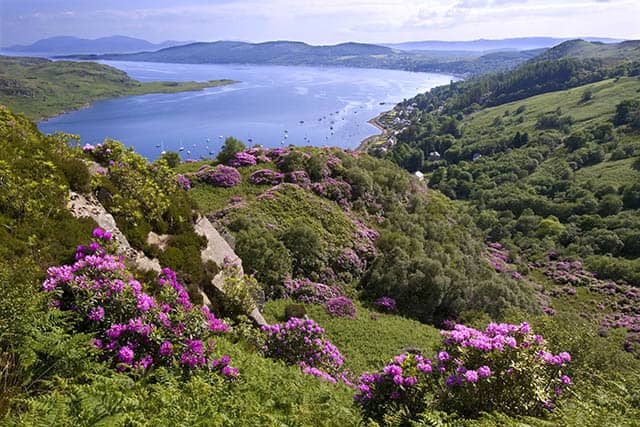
{"x":266,"y":257}
{"x":305,"y":247}
{"x":171,"y":157}
{"x":229,"y":149}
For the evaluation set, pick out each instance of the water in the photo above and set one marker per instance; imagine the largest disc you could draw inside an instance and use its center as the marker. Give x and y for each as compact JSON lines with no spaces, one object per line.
{"x":272,"y":105}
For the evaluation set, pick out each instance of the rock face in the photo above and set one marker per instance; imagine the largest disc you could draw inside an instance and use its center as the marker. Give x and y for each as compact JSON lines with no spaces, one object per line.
{"x":87,"y":206}
{"x":217,"y":250}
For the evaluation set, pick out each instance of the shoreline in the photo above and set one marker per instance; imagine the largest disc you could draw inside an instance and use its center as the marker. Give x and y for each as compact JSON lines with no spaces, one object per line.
{"x":374,"y":121}
{"x":212,"y":83}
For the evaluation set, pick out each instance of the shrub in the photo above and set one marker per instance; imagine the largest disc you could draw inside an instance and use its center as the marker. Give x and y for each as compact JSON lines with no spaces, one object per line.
{"x":229,"y":149}
{"x":506,"y":368}
{"x":240,"y":291}
{"x":341,"y":307}
{"x":295,"y":310}
{"x":386,"y":303}
{"x":302,"y":342}
{"x":308,"y":292}
{"x":242,"y":159}
{"x":266,"y":176}
{"x":133,"y":329}
{"x":220,"y":176}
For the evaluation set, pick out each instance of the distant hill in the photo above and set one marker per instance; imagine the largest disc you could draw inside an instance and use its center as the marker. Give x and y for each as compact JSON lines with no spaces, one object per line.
{"x":346,"y":55}
{"x":273,"y":52}
{"x":582,"y":49}
{"x":75,"y":45}
{"x":484,"y":45}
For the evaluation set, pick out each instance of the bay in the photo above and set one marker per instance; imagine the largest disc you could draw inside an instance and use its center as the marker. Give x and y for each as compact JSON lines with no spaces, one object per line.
{"x":271,"y":105}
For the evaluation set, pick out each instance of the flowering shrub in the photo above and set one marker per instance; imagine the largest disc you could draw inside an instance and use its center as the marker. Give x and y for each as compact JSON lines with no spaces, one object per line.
{"x":242,"y":159}
{"x":348,"y":260}
{"x":133,"y":329}
{"x":183,"y":182}
{"x":498,"y":256}
{"x":333,"y":189}
{"x":266,"y":176}
{"x":624,"y":299}
{"x":506,"y":368}
{"x":386,"y":303}
{"x":298,"y":177}
{"x":302,"y":342}
{"x":220,"y":176}
{"x":308,"y":292}
{"x":341,"y":307}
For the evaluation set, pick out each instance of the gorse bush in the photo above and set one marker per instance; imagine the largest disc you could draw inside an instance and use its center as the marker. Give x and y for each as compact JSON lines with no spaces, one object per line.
{"x":133,"y":330}
{"x":506,"y":368}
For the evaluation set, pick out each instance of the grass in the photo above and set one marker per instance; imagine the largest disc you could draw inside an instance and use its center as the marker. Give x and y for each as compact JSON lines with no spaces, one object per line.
{"x":40,"y":88}
{"x":615,"y":173}
{"x":367,"y":343}
{"x":606,"y":95}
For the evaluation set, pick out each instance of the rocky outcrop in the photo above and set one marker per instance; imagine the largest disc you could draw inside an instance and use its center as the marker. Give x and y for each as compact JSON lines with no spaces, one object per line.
{"x":87,"y":206}
{"x":217,"y":250}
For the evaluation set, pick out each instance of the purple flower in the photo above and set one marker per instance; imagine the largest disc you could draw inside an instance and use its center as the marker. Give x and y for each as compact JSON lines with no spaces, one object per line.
{"x":565,"y":379}
{"x":144,"y":302}
{"x":471,"y":376}
{"x":484,"y":371}
{"x":443,"y":356}
{"x":166,"y":348}
{"x":96,"y":314}
{"x":125,"y":355}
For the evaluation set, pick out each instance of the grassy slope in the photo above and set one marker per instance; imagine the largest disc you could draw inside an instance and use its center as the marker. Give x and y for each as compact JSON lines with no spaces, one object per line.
{"x":366,"y":342}
{"x":40,"y":88}
{"x":606,"y":95}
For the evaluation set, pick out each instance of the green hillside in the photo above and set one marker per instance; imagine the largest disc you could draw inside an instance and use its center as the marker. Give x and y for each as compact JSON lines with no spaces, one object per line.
{"x":357,"y":244}
{"x":41,"y":88}
{"x":556,"y":171}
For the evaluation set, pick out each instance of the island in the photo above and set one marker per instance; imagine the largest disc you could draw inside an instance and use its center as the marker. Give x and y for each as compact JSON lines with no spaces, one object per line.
{"x":40,"y":88}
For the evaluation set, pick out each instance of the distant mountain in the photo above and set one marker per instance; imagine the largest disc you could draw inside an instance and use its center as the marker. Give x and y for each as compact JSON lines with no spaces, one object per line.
{"x":75,"y":45}
{"x":273,"y":52}
{"x":484,"y":45}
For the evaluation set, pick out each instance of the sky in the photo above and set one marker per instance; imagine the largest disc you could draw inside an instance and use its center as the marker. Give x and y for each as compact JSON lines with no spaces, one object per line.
{"x":317,"y":21}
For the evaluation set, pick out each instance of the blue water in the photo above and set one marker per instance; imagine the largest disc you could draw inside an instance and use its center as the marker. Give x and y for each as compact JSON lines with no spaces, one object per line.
{"x":272,"y":105}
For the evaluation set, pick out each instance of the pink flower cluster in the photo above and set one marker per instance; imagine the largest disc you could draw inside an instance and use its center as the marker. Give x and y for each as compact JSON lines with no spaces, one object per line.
{"x":266,"y":176}
{"x":220,"y":176}
{"x":507,"y":362}
{"x":133,"y":329}
{"x":302,"y":342}
{"x":386,"y":303}
{"x":183,"y":182}
{"x":499,"y":258}
{"x":308,"y":292}
{"x":242,"y":159}
{"x":341,"y":307}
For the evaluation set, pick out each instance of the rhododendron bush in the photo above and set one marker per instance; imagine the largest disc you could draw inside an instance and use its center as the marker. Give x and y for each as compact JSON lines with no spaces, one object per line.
{"x":505,"y":368}
{"x":133,"y":329}
{"x":302,"y":342}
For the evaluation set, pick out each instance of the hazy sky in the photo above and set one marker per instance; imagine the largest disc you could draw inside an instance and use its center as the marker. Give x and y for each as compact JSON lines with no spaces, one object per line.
{"x":322,"y":21}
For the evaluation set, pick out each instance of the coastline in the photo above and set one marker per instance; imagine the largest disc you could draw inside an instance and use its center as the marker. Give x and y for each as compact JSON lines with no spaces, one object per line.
{"x":375,"y":121}
{"x":197,"y":87}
